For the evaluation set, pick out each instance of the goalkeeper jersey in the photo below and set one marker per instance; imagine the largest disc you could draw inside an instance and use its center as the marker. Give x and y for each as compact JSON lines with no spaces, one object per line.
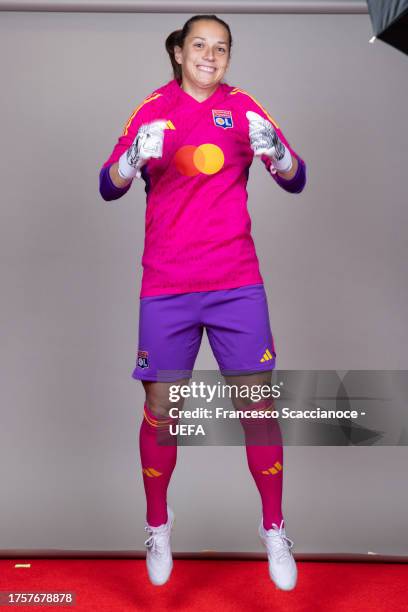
{"x":197,"y":225}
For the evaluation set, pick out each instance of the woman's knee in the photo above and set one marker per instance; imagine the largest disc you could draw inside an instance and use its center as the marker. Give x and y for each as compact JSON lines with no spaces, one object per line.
{"x":158,"y":397}
{"x":253,"y":391}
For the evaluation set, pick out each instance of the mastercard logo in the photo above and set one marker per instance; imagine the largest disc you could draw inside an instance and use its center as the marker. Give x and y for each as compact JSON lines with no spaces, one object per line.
{"x":204,"y":159}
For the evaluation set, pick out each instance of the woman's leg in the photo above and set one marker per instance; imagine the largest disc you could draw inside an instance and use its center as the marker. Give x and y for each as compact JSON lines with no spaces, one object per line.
{"x":239,"y":332}
{"x":158,"y":449}
{"x":264,"y":448}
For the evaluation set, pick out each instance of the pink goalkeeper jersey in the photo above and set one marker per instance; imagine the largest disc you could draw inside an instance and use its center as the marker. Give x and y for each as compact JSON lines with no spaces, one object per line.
{"x":197,"y":225}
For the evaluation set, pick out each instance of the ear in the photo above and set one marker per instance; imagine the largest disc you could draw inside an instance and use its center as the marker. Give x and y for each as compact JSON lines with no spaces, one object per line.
{"x":178,"y":54}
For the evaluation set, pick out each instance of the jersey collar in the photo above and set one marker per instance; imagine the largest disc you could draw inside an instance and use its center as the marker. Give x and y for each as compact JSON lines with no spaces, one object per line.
{"x":216,"y":95}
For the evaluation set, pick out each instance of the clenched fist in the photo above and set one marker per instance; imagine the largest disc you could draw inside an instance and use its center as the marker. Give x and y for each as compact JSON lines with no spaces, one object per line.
{"x":147,"y":144}
{"x":264,"y":141}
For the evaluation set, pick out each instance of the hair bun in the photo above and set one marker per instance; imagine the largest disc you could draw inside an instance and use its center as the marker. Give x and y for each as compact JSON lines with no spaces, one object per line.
{"x":178,"y":36}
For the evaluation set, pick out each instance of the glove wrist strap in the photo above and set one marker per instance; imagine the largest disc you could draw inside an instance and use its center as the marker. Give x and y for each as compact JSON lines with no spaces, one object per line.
{"x":284,"y":164}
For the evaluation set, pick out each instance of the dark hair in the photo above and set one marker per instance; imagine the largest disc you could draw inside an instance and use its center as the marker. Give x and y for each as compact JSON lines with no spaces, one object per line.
{"x":177,"y":38}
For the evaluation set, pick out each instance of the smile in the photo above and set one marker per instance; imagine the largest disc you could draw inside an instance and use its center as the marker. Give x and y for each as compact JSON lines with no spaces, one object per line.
{"x":206,"y":68}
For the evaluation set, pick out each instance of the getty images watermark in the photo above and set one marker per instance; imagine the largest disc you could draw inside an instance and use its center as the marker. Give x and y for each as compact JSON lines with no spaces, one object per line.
{"x":253,"y":393}
{"x":328,"y":407}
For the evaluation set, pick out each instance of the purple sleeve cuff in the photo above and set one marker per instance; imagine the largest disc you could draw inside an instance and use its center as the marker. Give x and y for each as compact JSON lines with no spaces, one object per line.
{"x":107,"y":189}
{"x":297,"y":182}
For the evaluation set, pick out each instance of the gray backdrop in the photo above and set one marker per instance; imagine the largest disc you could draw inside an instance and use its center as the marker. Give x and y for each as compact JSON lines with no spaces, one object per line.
{"x":333,"y":260}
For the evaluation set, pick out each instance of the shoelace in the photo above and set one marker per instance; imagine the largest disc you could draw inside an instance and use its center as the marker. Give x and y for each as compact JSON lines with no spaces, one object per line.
{"x":280,"y":542}
{"x":156,"y":541}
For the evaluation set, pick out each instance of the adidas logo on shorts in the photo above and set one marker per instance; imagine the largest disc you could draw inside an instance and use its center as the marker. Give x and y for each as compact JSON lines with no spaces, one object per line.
{"x":266,"y":356}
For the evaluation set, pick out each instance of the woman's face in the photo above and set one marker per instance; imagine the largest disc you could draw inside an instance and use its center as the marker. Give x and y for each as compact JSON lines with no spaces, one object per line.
{"x":204,"y":57}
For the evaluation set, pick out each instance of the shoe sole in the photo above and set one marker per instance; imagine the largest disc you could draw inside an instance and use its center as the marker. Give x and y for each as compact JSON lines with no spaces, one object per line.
{"x":164,"y":582}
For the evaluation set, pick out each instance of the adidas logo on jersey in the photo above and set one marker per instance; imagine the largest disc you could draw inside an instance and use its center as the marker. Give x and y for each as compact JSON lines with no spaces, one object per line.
{"x":275,"y":469}
{"x":266,"y":356}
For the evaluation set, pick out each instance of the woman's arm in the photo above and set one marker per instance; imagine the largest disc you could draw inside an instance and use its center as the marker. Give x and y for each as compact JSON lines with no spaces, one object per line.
{"x":112,"y":188}
{"x":117,"y":180}
{"x":291,"y":173}
{"x":111,"y":185}
{"x":268,"y":142}
{"x":297,"y":182}
{"x":292,"y":180}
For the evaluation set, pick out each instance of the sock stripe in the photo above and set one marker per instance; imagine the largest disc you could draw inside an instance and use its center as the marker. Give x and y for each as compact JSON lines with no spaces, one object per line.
{"x":156,"y":422}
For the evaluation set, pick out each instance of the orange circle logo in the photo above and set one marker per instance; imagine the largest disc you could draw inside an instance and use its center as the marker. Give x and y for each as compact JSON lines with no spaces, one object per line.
{"x":205,"y":159}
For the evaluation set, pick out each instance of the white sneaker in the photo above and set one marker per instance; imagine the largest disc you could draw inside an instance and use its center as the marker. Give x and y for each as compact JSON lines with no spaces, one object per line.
{"x":282,"y":565}
{"x":159,"y":560}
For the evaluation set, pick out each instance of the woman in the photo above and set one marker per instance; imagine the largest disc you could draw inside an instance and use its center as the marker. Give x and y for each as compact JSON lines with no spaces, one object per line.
{"x":192,"y":141}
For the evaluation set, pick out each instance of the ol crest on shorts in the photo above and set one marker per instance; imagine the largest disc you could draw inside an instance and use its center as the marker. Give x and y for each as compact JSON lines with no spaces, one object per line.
{"x":142,"y":359}
{"x":222,"y":118}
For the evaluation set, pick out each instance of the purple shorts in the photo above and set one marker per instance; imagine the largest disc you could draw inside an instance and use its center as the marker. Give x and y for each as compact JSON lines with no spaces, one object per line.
{"x":171,"y":328}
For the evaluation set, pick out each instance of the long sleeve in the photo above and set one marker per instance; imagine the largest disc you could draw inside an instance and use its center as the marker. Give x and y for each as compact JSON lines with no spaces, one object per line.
{"x":140,"y":115}
{"x":294,"y":185}
{"x":297,"y":183}
{"x":107,"y":189}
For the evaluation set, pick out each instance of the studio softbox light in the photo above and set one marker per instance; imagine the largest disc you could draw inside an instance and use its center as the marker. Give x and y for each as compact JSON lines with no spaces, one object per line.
{"x":390,"y":22}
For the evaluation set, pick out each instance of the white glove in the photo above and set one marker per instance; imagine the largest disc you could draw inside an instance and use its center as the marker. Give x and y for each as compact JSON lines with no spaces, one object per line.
{"x":265,"y":141}
{"x":147,"y":144}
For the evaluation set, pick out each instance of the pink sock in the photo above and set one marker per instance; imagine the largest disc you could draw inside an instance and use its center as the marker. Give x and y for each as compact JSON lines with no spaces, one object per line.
{"x":264,"y":450}
{"x":158,"y":462}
